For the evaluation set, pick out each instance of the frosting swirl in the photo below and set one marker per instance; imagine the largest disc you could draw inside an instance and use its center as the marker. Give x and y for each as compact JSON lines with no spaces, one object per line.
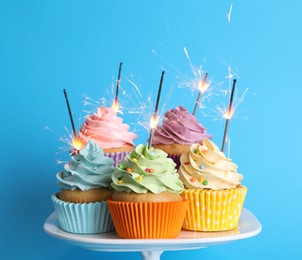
{"x":181,"y":127}
{"x":205,"y":166}
{"x":106,"y":129}
{"x":89,"y":169}
{"x":146,"y":170}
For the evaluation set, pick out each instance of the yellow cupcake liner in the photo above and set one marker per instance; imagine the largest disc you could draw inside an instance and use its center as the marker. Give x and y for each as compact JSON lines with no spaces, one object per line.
{"x":213,"y":210}
{"x":147,"y":219}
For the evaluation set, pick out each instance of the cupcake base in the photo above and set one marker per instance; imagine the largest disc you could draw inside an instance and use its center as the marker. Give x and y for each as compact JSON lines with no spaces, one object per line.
{"x":85,"y":218}
{"x":213,"y":210}
{"x":147,"y":219}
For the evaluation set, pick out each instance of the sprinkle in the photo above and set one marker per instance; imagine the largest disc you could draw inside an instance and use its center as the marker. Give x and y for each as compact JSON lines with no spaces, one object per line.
{"x":139,"y":178}
{"x":151,"y":170}
{"x":187,"y":163}
{"x":200,"y":180}
{"x":201,"y":166}
{"x":192,"y":180}
{"x":147,"y":170}
{"x":134,"y":160}
{"x":195,"y":150}
{"x":129,"y":170}
{"x":120,"y":181}
{"x":205,"y":183}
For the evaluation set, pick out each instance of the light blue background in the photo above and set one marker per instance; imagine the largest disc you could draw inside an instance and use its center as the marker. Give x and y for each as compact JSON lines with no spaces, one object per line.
{"x":46,"y":46}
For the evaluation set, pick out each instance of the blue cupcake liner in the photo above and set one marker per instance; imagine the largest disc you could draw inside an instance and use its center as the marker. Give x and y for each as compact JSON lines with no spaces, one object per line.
{"x":83,"y":218}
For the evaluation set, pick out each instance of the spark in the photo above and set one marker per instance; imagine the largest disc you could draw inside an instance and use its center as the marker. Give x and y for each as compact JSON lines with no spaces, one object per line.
{"x":230,"y":13}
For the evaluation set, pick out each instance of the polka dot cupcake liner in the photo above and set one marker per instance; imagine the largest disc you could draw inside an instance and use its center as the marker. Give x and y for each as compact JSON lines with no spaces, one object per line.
{"x":213,"y":210}
{"x":148,"y":219}
{"x":83,"y":218}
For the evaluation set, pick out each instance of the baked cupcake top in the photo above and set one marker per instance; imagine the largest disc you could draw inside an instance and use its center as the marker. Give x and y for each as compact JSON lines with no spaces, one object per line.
{"x":89,"y":169}
{"x":106,"y":129}
{"x":146,"y":170}
{"x":181,"y":127}
{"x":205,"y":166}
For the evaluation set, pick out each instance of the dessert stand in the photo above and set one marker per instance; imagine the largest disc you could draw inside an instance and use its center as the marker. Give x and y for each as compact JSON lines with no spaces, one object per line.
{"x":151,"y":249}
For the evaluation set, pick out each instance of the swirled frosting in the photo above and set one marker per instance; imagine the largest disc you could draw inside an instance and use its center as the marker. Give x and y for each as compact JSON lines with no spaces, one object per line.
{"x":146,"y":170}
{"x":89,"y":169}
{"x":205,"y":166}
{"x":106,"y":129}
{"x":181,"y":127}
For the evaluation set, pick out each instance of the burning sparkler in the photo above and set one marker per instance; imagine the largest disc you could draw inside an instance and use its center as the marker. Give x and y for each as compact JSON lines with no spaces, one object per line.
{"x":228,"y":116}
{"x":202,"y":88}
{"x":76,"y":142}
{"x":115,"y":105}
{"x":154,"y":119}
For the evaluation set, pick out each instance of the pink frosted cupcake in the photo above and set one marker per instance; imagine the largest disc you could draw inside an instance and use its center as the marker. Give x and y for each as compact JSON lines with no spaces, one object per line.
{"x":109,"y":132}
{"x":178,"y":132}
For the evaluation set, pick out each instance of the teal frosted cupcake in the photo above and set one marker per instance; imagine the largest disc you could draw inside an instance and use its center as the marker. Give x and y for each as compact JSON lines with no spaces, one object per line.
{"x":81,"y":205}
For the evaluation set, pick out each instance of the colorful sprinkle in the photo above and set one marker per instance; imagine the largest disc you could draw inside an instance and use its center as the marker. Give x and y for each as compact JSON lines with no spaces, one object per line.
{"x":200,"y":180}
{"x":139,"y":178}
{"x":151,"y":170}
{"x":195,"y":150}
{"x":120,"y":181}
{"x":147,"y":170}
{"x":134,"y":160}
{"x":129,"y":170}
{"x":192,"y":180}
{"x":187,"y":163}
{"x":205,"y":183}
{"x":201,"y":167}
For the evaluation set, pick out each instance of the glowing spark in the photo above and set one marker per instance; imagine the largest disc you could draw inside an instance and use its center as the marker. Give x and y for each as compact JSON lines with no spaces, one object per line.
{"x":153,"y":122}
{"x":230,"y":13}
{"x":77,"y":143}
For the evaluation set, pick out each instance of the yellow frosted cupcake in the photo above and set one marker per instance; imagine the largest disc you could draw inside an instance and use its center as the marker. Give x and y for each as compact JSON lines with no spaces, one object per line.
{"x":213,"y":188}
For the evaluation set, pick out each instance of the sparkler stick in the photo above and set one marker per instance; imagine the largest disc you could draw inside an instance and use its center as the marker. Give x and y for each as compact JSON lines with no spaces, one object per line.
{"x":201,"y":90}
{"x":228,"y":116}
{"x":70,"y":114}
{"x":115,"y":102}
{"x":154,"y":119}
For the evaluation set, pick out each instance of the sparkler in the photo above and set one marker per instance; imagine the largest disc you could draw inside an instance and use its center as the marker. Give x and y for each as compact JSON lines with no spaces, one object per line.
{"x":202,"y":87}
{"x":76,"y":141}
{"x":70,"y":113}
{"x":115,"y":105}
{"x":228,"y":116}
{"x":154,"y":119}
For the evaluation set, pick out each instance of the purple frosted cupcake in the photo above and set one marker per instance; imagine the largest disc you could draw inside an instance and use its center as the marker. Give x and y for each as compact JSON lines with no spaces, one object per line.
{"x":178,"y":132}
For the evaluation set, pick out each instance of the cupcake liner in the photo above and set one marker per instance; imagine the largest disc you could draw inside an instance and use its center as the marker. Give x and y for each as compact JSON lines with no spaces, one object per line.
{"x":176,"y":159}
{"x":147,"y":219}
{"x":116,"y":156}
{"x":213,"y":210}
{"x":86,"y":218}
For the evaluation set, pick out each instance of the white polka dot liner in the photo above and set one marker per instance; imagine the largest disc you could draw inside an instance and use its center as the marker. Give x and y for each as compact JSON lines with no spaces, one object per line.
{"x":213,"y":210}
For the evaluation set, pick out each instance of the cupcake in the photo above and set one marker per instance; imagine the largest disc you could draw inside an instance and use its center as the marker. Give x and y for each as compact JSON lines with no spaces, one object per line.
{"x":178,"y":132}
{"x":85,"y":186}
{"x":213,"y":188}
{"x":146,"y":202}
{"x":109,"y":132}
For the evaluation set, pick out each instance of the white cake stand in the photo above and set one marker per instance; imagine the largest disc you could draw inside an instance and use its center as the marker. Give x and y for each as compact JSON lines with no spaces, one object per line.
{"x":151,"y":249}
